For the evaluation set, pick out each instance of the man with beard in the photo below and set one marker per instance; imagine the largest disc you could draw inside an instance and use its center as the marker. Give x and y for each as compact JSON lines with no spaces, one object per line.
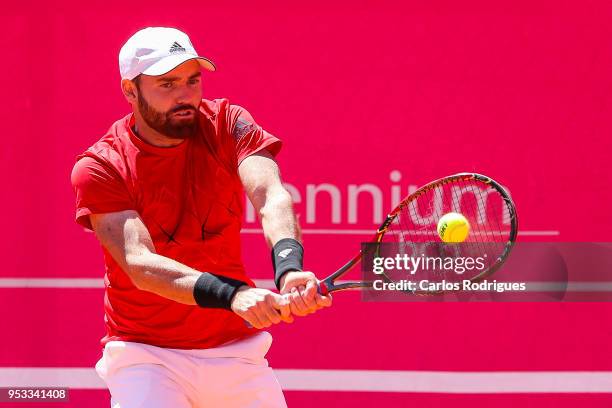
{"x":162,"y":190}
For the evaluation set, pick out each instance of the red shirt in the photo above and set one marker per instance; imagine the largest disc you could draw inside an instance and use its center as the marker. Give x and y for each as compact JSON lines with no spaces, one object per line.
{"x":190,"y":199}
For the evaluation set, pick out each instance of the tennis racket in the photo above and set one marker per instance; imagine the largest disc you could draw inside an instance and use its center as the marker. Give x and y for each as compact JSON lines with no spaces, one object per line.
{"x":412,"y":227}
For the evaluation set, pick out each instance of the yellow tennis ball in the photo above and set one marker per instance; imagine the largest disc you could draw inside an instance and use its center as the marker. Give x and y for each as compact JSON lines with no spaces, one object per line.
{"x":453,"y":227}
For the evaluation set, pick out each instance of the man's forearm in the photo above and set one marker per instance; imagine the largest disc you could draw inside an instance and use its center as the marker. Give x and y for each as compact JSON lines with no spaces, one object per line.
{"x":173,"y":280}
{"x":277,"y":217}
{"x":261,"y":180}
{"x":279,"y":223}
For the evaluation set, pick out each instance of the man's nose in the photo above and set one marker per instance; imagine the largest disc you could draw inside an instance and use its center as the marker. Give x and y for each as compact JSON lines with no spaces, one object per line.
{"x":184,"y":95}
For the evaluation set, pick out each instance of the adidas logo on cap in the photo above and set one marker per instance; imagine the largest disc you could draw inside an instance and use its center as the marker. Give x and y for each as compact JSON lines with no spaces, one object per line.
{"x":176,"y":47}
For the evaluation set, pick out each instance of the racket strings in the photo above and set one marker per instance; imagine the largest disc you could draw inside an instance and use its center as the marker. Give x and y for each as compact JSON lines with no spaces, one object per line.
{"x":414,"y":228}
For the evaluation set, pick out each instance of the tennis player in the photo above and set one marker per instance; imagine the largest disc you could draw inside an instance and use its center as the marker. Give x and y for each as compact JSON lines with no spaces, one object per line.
{"x":162,"y":190}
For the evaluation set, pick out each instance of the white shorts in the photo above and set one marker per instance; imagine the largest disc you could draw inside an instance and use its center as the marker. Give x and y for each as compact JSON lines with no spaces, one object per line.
{"x":232,"y":375}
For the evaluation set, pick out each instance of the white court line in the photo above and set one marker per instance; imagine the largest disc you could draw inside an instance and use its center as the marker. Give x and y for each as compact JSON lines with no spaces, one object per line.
{"x":51,"y":283}
{"x":494,"y":382}
{"x":87,"y":283}
{"x":550,"y":233}
{"x":76,"y":283}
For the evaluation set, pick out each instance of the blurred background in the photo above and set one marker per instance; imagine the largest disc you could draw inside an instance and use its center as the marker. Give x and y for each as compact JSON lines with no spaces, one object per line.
{"x":385,"y":95}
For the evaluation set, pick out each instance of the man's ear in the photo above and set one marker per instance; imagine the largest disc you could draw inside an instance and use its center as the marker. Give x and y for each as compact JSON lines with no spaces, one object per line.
{"x":129,"y":90}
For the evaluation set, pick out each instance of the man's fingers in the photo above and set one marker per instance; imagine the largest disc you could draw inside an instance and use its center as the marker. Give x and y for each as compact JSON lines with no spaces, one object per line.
{"x":311,"y":289}
{"x":295,"y":311}
{"x":323,"y":301}
{"x":298,"y":307}
{"x":270,"y":307}
{"x":262,"y":308}
{"x":279,"y":301}
{"x":309,"y":296}
{"x":262,"y":316}
{"x":254,"y":320}
{"x":272,"y":315}
{"x":284,"y":305}
{"x":286,"y":315}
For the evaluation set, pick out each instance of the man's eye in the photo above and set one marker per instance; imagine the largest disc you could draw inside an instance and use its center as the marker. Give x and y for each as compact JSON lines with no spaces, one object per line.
{"x":194,"y":81}
{"x":167,"y":85}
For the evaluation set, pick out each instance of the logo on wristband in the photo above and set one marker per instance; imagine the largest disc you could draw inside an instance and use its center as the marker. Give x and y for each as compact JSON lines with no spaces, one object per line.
{"x":285,"y":252}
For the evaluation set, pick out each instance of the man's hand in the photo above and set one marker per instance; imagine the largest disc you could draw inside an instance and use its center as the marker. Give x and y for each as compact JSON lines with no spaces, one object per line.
{"x":302,"y":288}
{"x":261,"y":307}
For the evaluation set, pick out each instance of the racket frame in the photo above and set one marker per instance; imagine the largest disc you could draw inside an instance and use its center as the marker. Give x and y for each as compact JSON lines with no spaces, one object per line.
{"x":328,"y":284}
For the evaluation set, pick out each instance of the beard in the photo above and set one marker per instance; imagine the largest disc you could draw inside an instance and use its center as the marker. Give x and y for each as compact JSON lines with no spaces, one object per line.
{"x":166,"y":124}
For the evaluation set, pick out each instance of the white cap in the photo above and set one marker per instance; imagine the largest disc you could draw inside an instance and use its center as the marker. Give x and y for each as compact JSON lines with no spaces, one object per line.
{"x":157,"y":50}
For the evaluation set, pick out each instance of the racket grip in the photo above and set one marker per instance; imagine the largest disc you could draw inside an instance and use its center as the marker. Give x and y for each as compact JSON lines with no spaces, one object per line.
{"x":323,"y":289}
